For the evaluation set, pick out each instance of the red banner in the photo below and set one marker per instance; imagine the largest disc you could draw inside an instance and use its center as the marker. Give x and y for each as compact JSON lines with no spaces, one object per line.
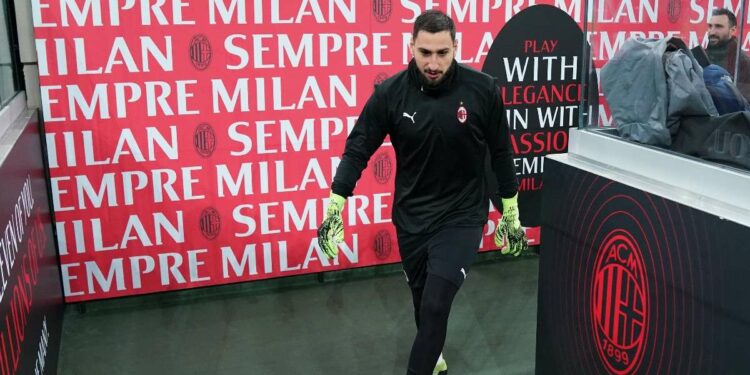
{"x":193,"y":143}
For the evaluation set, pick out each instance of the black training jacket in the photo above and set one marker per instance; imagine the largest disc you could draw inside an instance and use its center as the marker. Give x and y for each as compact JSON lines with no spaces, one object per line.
{"x":440,"y":173}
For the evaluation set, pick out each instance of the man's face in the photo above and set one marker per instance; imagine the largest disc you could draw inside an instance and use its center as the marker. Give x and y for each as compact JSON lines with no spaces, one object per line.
{"x":719,"y":30}
{"x":433,"y":53}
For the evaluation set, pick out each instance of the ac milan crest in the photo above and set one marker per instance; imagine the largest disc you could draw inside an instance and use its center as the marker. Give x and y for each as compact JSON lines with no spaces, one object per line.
{"x":204,"y":140}
{"x":200,"y":52}
{"x":382,"y":168}
{"x":381,"y":10}
{"x":620,"y":303}
{"x":210,"y":223}
{"x":383,"y":245}
{"x":462,"y":114}
{"x":674,"y":8}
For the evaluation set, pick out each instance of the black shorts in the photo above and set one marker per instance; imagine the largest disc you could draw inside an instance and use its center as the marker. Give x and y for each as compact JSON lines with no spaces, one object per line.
{"x":448,"y":253}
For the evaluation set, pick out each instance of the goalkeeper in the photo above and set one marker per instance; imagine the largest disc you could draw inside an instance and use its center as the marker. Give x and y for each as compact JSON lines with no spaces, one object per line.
{"x":442,"y":117}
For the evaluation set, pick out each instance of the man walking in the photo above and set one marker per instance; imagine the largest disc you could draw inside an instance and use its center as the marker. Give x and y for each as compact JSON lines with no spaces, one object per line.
{"x":442,"y":117}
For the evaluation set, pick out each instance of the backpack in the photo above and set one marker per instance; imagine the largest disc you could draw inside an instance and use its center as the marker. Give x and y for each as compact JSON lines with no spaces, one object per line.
{"x":725,"y":95}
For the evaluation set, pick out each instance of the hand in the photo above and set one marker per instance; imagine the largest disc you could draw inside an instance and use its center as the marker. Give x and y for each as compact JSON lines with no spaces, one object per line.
{"x":331,"y":230}
{"x":510,"y":236}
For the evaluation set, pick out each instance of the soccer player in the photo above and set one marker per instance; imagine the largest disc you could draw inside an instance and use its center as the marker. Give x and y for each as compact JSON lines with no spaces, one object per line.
{"x":442,"y":118}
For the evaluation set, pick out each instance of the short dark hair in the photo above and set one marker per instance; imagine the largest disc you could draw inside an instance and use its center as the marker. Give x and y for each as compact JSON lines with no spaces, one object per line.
{"x":726,"y":12}
{"x":434,"y":21}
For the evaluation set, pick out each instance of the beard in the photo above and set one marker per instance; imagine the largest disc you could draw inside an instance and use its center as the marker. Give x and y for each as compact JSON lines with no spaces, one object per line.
{"x":441,"y":75}
{"x":718,"y":41}
{"x":428,"y":74}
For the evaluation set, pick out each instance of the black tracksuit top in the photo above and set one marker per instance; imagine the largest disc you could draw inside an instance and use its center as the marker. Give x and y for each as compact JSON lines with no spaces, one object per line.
{"x":440,"y":160}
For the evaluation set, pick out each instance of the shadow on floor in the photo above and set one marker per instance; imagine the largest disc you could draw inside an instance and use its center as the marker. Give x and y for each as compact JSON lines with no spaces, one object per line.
{"x":350,"y":322}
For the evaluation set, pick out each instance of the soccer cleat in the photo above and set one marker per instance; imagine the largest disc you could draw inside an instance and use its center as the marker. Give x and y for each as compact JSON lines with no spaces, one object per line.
{"x":441,"y":367}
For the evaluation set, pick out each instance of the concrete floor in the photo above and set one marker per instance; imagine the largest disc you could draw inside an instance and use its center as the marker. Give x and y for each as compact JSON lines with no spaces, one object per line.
{"x":353,"y":322}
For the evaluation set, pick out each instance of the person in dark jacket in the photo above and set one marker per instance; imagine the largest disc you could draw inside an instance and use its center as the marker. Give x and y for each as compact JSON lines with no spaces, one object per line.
{"x":722,"y":48}
{"x":442,"y":118}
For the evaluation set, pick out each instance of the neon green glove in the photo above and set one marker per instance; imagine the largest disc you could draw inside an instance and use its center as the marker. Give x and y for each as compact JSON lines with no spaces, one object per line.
{"x":331,"y":230}
{"x":509,"y":236}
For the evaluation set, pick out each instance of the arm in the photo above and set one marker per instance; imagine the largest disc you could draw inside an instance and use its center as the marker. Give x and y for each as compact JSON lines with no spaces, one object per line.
{"x":368,"y":134}
{"x":509,"y":235}
{"x":498,"y":142}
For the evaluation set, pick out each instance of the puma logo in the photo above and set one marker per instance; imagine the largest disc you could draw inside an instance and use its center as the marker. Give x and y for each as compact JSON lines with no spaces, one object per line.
{"x":411,"y":117}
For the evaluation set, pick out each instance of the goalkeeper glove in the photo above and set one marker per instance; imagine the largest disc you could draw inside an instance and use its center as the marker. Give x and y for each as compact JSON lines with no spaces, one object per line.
{"x":509,"y":236}
{"x":331,"y":231}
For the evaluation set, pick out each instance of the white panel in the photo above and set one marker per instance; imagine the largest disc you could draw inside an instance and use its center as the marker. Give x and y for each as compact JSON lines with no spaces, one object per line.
{"x":713,"y":188}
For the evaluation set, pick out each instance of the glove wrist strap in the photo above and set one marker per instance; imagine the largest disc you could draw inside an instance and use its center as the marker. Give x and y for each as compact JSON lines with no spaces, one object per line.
{"x":336,"y":204}
{"x":510,"y":202}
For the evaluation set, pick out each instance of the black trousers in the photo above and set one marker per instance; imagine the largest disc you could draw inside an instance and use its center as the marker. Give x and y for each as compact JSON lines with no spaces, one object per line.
{"x":436,"y":266}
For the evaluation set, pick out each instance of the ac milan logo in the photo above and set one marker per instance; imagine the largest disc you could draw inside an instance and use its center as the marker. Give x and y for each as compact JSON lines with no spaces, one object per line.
{"x":461,"y":114}
{"x":381,"y":10}
{"x":674,"y":8}
{"x":210,"y":223}
{"x":620,"y":303}
{"x":383,"y":245}
{"x":382,"y":168}
{"x":204,"y":140}
{"x":380,"y":78}
{"x":200,"y":52}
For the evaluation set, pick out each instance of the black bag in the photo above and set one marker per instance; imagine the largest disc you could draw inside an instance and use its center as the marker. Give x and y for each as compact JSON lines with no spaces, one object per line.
{"x":724,"y":139}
